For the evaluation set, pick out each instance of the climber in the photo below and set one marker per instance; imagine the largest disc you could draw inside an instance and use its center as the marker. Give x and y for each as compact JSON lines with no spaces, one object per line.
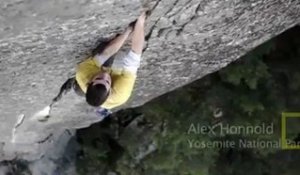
{"x":107,"y":83}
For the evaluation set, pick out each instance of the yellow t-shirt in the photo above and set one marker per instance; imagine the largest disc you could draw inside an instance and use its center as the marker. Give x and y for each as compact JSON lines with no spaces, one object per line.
{"x":122,"y":82}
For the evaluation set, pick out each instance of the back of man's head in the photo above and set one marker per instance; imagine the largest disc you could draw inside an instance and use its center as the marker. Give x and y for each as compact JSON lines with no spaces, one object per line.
{"x":96,"y":94}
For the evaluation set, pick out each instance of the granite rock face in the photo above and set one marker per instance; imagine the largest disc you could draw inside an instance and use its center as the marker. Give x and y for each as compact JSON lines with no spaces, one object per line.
{"x":42,"y":41}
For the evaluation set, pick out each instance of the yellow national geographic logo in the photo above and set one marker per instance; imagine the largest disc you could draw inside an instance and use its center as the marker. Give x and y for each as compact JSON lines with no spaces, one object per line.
{"x":285,"y":142}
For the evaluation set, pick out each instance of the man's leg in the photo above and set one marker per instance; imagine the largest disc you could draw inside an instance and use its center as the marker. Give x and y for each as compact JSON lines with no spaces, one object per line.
{"x":138,"y":35}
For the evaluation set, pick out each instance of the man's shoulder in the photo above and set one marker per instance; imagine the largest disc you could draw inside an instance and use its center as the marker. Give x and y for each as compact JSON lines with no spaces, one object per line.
{"x":85,"y":71}
{"x":88,"y":65}
{"x":88,"y":61}
{"x":115,"y":72}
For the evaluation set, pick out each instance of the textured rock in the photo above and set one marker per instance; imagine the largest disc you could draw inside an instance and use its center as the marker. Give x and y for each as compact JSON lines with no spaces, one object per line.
{"x":41,"y":42}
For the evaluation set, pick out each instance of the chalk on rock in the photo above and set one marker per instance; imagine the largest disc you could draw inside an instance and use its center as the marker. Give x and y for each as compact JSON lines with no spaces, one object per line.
{"x":42,"y":115}
{"x":20,"y":120}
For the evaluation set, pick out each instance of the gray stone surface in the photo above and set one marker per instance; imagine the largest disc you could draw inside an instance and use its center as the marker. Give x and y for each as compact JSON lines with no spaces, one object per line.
{"x":41,"y":42}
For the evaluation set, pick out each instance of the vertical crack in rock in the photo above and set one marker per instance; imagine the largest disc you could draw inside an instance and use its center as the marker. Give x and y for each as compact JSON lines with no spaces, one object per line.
{"x":178,"y":10}
{"x":201,"y":6}
{"x":147,"y":36}
{"x":167,"y":14}
{"x":155,"y":5}
{"x":171,"y":8}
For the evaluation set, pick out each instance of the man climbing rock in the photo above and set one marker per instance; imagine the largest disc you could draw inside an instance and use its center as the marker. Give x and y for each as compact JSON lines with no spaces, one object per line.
{"x":111,"y":86}
{"x":107,"y":83}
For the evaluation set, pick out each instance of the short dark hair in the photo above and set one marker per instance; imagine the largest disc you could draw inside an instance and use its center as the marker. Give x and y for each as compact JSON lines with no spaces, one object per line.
{"x":96,"y":95}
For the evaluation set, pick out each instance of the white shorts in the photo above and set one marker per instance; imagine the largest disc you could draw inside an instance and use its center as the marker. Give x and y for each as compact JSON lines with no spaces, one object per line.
{"x":128,"y":62}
